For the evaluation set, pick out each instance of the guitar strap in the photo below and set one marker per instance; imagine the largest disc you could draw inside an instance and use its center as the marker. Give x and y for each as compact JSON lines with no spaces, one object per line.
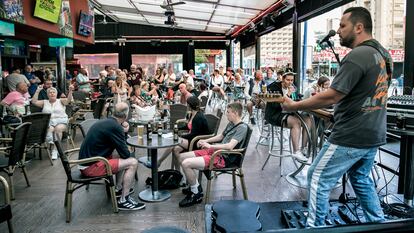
{"x":388,"y":60}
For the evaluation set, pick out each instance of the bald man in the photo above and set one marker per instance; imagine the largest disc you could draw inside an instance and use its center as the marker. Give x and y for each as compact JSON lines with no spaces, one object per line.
{"x":185,"y":94}
{"x":102,"y":139}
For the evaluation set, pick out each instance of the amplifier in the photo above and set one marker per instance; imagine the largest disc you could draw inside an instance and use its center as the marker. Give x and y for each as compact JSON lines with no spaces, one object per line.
{"x":400,"y":106}
{"x":401,"y":101}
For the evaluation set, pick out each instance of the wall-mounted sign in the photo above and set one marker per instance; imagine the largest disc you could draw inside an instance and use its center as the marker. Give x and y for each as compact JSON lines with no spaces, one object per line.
{"x":6,"y":29}
{"x":65,"y":20}
{"x":12,"y":10}
{"x":60,"y":42}
{"x":48,"y":10}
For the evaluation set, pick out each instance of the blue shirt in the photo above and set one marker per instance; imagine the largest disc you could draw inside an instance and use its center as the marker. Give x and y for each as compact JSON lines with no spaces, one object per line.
{"x":33,"y":86}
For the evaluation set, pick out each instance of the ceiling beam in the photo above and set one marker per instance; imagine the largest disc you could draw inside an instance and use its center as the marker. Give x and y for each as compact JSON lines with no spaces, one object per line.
{"x":221,"y":4}
{"x":132,"y":11}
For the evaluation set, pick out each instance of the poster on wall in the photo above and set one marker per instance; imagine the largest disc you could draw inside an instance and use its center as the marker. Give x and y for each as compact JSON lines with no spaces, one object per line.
{"x":12,"y":10}
{"x":92,"y":12}
{"x":65,"y":20}
{"x":48,"y":10}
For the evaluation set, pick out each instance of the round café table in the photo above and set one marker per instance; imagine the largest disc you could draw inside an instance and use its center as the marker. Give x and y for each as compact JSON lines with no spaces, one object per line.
{"x":152,"y":194}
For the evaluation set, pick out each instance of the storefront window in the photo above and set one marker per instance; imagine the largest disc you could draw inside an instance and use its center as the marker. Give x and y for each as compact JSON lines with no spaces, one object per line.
{"x":249,"y":60}
{"x":150,"y":62}
{"x":94,"y":63}
{"x":209,"y":59}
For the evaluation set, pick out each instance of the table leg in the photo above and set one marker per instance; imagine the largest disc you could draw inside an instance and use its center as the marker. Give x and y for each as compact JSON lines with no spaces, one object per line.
{"x":152,"y":194}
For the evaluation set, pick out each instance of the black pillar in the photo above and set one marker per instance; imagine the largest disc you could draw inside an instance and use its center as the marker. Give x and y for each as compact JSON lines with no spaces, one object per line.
{"x":229,"y":54}
{"x":296,"y":47}
{"x":409,"y":47}
{"x":257,"y":59}
{"x":241,"y":57}
{"x":121,"y":56}
{"x":190,"y":56}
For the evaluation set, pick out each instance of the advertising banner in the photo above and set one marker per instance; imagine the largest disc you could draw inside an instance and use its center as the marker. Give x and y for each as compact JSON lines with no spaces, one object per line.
{"x":48,"y":10}
{"x":65,"y":20}
{"x":12,"y":10}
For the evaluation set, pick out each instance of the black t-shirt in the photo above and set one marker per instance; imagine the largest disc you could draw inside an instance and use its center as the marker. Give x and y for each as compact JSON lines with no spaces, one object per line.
{"x":360,"y":117}
{"x":103,"y":138}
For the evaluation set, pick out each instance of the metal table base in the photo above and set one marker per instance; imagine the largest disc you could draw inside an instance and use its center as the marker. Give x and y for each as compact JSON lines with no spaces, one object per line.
{"x":156,"y":196}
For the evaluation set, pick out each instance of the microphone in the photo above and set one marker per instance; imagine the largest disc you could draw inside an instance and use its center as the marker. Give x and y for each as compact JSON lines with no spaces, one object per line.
{"x":327,"y":37}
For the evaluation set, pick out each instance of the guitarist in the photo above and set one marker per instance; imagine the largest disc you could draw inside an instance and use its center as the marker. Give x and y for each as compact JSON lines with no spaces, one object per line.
{"x":359,"y":92}
{"x":274,"y":114}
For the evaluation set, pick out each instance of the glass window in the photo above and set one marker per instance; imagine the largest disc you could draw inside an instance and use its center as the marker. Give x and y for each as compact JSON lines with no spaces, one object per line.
{"x":278,"y":53}
{"x":209,"y":59}
{"x":150,"y":62}
{"x":94,"y":63}
{"x":249,"y":59}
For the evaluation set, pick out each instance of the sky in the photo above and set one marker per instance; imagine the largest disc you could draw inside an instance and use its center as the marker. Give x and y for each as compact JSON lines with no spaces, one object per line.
{"x":319,"y":23}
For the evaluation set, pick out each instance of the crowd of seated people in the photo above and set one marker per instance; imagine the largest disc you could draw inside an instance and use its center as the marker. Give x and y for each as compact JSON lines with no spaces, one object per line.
{"x":130,"y":88}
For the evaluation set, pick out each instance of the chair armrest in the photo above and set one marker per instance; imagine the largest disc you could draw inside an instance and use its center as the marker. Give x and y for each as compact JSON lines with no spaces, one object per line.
{"x":221,"y":151}
{"x":71,"y":151}
{"x":6,"y":139}
{"x":196,"y":139}
{"x":93,"y":159}
{"x":82,"y":110}
{"x":5,"y":148}
{"x":6,"y":190}
{"x":181,"y":121}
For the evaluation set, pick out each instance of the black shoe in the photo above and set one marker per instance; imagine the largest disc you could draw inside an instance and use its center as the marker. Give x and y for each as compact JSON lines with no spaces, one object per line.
{"x":191,"y":199}
{"x":252,"y":121}
{"x":130,"y":204}
{"x":119,"y":192}
{"x":187,"y":190}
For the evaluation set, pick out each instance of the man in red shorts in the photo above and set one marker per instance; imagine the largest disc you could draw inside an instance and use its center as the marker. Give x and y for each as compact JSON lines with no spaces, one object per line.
{"x":234,"y":133}
{"x":102,"y":139}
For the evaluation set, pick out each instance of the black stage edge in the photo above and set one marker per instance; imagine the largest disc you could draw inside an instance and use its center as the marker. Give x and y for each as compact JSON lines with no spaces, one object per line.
{"x":272,"y":221}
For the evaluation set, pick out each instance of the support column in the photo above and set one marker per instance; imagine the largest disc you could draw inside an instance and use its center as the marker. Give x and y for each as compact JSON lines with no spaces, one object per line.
{"x":257,"y":58}
{"x":241,"y":57}
{"x":190,"y":56}
{"x":229,"y":54}
{"x":61,"y":68}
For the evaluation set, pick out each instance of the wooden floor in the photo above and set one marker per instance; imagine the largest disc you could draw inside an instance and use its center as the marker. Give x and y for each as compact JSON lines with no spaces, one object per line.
{"x":39,"y":208}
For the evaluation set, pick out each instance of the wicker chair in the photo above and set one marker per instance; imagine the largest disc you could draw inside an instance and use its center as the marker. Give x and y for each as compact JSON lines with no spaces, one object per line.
{"x":38,"y":132}
{"x":16,"y":154}
{"x":75,"y":180}
{"x":234,"y":168}
{"x":5,"y":209}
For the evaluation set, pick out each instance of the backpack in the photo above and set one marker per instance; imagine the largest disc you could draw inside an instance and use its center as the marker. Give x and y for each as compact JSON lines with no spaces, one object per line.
{"x":167,"y":179}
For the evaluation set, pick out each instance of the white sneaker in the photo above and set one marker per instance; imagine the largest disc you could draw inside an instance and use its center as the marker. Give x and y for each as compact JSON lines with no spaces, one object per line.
{"x":305,"y":150}
{"x":299,"y":156}
{"x":54,"y":154}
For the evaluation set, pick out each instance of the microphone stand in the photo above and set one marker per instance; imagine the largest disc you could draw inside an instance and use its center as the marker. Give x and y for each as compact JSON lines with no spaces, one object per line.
{"x":344,"y":197}
{"x":336,"y":55}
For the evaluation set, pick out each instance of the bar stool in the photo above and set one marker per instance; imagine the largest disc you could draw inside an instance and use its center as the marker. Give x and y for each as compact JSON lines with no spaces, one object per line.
{"x":280,"y":132}
{"x":264,"y":134}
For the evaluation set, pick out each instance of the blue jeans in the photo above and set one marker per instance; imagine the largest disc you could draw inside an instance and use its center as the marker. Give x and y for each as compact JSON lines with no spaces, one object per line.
{"x":328,"y":167}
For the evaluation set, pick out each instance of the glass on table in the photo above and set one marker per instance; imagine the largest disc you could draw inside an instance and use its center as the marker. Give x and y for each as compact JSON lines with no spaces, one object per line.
{"x":140,"y":131}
